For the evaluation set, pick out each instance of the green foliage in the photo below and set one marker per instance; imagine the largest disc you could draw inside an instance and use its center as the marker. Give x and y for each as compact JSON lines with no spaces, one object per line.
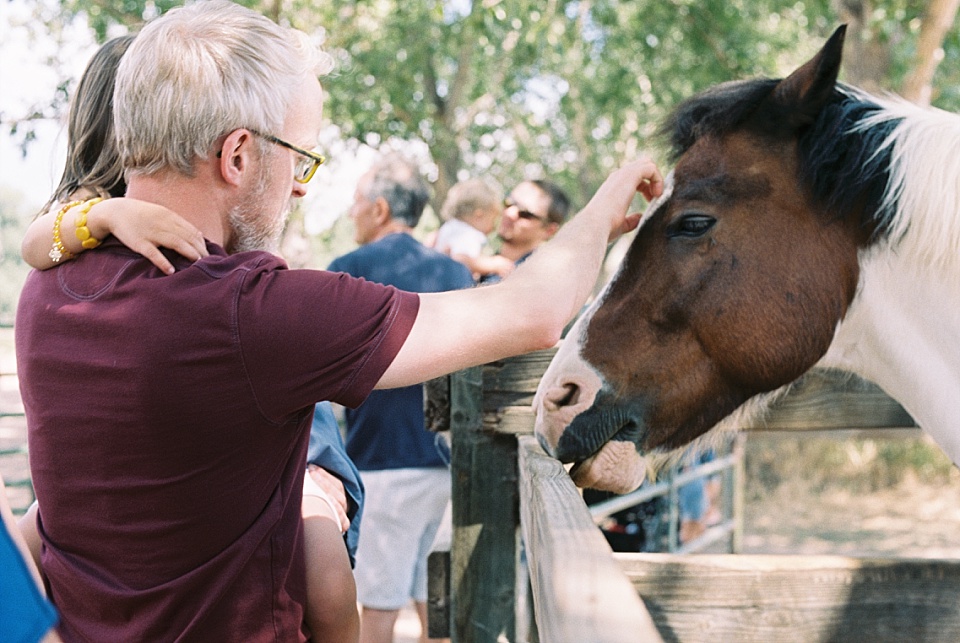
{"x":13,"y":270}
{"x":855,"y":463}
{"x":563,"y":89}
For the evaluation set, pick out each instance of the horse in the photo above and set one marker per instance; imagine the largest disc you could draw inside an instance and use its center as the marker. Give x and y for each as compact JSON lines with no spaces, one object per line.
{"x":806,"y":223}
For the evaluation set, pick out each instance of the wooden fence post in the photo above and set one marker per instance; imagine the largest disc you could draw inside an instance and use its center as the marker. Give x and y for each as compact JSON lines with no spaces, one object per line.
{"x":483,"y":550}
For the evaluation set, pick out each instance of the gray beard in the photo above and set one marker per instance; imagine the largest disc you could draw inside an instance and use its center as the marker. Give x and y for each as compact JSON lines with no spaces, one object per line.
{"x":251,"y":235}
{"x":249,"y":227}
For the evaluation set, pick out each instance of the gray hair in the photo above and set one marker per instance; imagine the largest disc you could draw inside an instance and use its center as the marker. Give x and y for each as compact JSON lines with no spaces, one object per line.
{"x":398,"y":181}
{"x":466,"y":197}
{"x":203,"y":70}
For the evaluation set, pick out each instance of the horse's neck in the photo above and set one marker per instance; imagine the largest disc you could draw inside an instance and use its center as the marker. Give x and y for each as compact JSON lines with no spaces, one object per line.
{"x":901,"y":332}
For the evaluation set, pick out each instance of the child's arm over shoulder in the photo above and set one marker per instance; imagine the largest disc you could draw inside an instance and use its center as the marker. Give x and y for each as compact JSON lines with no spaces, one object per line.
{"x":141,"y":226}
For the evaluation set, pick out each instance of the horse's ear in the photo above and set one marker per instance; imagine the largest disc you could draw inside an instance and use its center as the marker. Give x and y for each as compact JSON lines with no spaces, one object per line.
{"x":805,"y":92}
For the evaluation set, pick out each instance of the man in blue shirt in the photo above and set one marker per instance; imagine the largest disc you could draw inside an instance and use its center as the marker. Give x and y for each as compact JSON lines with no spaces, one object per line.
{"x":404,"y":467}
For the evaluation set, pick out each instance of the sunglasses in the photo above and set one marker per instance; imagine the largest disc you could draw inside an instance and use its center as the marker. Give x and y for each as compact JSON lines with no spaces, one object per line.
{"x":523,"y":214}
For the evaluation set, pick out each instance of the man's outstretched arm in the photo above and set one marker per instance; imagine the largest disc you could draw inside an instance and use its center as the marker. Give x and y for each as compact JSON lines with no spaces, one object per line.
{"x":529,"y":310}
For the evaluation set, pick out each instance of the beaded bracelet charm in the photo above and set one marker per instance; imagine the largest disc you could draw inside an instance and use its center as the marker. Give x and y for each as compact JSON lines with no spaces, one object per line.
{"x":58,"y":252}
{"x":86,"y":239}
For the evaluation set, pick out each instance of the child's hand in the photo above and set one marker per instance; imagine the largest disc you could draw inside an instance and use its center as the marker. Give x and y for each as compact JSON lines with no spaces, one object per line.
{"x":146,"y":227}
{"x":333,"y":487}
{"x":501,"y":266}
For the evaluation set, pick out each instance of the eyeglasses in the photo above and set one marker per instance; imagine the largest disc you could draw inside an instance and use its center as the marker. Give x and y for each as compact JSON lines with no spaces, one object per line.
{"x":308,"y":163}
{"x":523,"y":214}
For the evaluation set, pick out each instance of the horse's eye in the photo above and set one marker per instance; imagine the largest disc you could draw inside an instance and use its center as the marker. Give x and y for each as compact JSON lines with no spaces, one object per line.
{"x":691,"y":225}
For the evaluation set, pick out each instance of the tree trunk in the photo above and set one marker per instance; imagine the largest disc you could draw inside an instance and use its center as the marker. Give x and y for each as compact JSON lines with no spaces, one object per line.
{"x":937,"y":20}
{"x":866,"y":63}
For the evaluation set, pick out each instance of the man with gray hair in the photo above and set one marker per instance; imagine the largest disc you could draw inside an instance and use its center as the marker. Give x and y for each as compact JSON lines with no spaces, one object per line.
{"x":403,"y":466}
{"x":168,"y":416}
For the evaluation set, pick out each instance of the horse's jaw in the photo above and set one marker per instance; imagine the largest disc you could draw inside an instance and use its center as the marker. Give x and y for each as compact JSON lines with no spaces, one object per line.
{"x":604,"y":453}
{"x":580,"y":421}
{"x":616,"y":467}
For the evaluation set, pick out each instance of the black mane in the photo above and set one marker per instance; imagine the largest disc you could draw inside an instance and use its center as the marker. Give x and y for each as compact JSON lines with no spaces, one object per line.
{"x":716,"y":112}
{"x":843,"y":164}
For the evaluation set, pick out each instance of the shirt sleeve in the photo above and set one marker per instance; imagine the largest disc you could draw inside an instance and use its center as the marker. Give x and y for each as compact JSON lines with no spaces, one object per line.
{"x":312,"y":335}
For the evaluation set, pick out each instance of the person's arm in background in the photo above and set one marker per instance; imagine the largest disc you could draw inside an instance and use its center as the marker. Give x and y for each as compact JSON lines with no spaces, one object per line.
{"x":528,"y":311}
{"x":143,"y":227}
{"x":331,"y":612}
{"x":487,"y":264}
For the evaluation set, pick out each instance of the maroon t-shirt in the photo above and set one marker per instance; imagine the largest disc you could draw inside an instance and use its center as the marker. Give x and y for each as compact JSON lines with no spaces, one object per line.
{"x":168,"y":423}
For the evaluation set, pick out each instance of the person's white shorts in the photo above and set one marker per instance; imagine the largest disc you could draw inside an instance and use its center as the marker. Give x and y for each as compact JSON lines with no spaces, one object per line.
{"x":402,"y":511}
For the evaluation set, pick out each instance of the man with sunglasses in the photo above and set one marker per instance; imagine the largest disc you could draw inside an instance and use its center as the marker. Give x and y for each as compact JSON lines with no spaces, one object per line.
{"x":533,"y":213}
{"x":168,"y":416}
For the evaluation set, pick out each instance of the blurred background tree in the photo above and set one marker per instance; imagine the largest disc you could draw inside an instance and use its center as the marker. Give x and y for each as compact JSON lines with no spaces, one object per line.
{"x":562,"y":89}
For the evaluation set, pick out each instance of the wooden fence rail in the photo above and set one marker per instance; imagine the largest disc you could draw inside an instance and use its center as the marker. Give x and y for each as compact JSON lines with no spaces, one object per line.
{"x":579,"y":591}
{"x":582,"y":591}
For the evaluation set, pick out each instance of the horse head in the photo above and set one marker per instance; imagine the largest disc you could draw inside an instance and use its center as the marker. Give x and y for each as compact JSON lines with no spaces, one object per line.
{"x":733,"y":286}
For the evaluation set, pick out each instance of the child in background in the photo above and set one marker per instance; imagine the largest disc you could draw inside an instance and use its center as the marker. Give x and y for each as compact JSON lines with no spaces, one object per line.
{"x":470,"y":213}
{"x":80,"y":213}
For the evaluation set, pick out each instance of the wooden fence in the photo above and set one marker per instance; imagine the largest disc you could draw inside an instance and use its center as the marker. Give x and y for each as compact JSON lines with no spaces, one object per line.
{"x":13,"y":445}
{"x":581,"y":591}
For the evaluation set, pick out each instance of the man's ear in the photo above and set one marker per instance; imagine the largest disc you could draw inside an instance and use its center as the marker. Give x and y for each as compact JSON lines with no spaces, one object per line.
{"x":382,"y":209}
{"x":234,"y":156}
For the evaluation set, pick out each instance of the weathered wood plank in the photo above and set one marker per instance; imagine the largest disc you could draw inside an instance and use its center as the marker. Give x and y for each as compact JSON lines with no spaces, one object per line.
{"x":579,"y":592}
{"x":439,"y":614}
{"x":821,"y":400}
{"x":833,"y":400}
{"x":512,"y":382}
{"x":806,"y":599}
{"x":485,"y":519}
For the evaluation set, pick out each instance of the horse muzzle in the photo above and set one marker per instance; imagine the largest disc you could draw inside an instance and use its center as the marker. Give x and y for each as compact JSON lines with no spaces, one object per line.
{"x":602,"y":438}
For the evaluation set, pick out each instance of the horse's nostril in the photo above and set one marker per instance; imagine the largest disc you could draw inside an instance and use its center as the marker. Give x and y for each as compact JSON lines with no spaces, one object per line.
{"x":566,"y":395}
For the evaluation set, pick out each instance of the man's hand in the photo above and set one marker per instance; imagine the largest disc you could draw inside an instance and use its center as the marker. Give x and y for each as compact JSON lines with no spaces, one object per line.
{"x":616,"y":193}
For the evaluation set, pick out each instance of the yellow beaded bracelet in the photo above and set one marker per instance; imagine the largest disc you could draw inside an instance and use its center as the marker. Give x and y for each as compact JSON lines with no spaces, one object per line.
{"x":87,"y":240}
{"x":58,"y":252}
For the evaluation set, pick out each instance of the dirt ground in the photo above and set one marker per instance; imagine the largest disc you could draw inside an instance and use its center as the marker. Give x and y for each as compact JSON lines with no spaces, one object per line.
{"x":911,"y":520}
{"x":859,"y":514}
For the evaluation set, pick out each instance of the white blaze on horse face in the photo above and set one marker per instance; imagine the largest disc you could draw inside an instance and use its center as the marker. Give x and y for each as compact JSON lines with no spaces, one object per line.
{"x":657,"y":202}
{"x":568,"y":387}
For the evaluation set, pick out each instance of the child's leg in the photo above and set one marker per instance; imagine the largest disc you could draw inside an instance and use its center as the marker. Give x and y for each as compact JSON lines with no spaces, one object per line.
{"x":331,"y":611}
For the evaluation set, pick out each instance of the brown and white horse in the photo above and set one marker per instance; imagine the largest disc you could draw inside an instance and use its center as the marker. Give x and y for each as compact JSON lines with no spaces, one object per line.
{"x":805,"y":223}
